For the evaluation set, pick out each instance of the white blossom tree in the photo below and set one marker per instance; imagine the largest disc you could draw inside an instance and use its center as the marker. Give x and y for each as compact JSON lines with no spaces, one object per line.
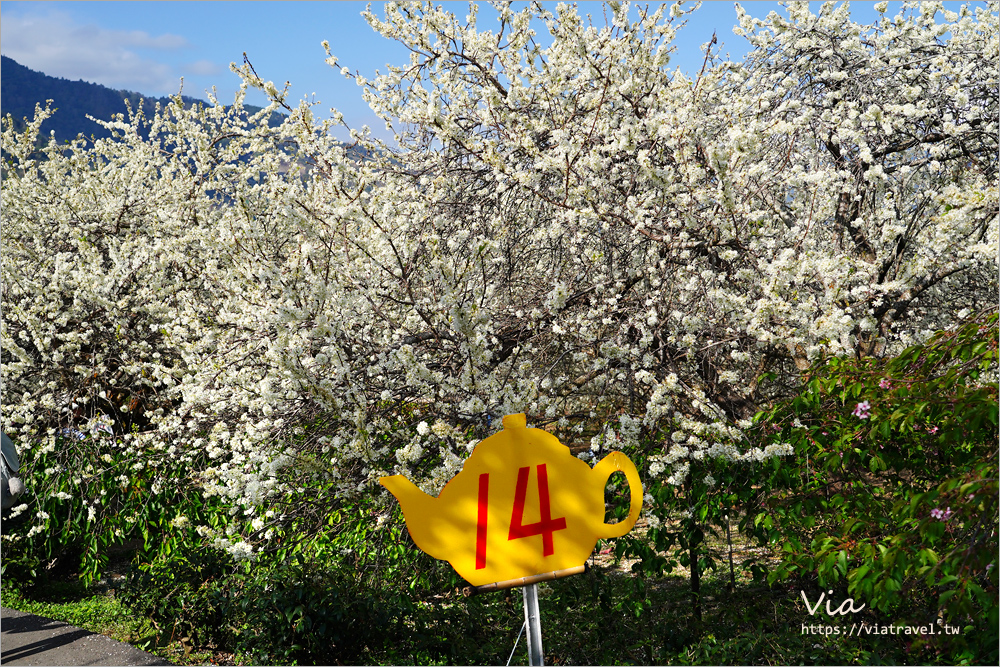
{"x":572,"y":230}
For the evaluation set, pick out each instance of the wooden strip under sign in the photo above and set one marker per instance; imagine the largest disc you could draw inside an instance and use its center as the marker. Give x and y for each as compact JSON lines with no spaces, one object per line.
{"x":469,"y":591}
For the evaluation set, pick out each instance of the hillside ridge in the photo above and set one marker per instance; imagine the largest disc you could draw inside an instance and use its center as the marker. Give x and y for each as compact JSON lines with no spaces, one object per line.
{"x":21,"y":88}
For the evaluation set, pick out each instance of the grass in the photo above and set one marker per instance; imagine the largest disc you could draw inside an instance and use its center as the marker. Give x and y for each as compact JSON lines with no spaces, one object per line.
{"x":69,"y":602}
{"x":98,"y":610}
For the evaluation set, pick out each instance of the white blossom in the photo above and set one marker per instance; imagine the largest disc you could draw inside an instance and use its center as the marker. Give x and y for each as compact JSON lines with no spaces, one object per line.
{"x":535,"y":240}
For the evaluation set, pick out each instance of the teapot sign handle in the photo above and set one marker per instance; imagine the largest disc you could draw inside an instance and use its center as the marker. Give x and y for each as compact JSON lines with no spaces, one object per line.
{"x":610,"y":464}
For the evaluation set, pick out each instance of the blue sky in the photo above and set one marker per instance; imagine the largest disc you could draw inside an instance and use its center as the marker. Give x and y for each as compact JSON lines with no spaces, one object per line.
{"x":148,"y":46}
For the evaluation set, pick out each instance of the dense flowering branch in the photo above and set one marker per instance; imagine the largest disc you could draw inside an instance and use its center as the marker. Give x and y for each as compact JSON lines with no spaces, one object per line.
{"x":571,"y":230}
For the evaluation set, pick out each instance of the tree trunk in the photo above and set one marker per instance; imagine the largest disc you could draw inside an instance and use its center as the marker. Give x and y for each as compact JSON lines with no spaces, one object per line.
{"x":694,"y":540}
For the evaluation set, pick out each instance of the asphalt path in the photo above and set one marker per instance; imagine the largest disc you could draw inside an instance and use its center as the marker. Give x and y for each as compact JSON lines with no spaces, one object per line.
{"x":26,"y":639}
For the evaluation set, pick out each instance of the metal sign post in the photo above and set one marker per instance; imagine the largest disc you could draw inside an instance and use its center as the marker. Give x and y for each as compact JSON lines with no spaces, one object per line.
{"x":534,"y":621}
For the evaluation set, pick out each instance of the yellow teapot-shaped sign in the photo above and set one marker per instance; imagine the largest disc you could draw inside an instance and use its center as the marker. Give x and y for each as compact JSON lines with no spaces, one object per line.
{"x":522,"y":505}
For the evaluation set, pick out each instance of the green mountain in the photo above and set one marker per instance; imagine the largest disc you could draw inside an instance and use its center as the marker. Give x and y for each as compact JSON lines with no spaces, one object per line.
{"x":22,"y":88}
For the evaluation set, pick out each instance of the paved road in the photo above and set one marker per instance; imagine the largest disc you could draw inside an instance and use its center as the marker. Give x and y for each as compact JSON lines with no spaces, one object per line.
{"x":26,"y":639}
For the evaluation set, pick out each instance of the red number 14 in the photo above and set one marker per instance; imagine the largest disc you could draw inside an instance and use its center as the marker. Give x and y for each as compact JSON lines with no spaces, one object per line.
{"x":518,"y":529}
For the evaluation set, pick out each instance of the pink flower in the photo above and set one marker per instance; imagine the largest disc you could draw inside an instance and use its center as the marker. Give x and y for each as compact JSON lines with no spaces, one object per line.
{"x":862,"y":410}
{"x":884,"y":383}
{"x":932,"y":429}
{"x":941,"y":516}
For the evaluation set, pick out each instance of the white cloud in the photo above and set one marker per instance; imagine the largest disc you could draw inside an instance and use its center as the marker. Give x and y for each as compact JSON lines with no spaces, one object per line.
{"x":203,"y":68}
{"x":54,"y":44}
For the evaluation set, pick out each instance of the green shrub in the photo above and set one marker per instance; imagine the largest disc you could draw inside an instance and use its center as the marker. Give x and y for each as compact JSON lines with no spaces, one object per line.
{"x":893,"y":495}
{"x":88,"y":496}
{"x":334,"y":598}
{"x":187,"y":593}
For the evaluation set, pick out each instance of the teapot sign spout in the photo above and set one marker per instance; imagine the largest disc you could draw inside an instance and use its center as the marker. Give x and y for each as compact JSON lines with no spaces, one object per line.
{"x":522,"y":505}
{"x":419,"y":510}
